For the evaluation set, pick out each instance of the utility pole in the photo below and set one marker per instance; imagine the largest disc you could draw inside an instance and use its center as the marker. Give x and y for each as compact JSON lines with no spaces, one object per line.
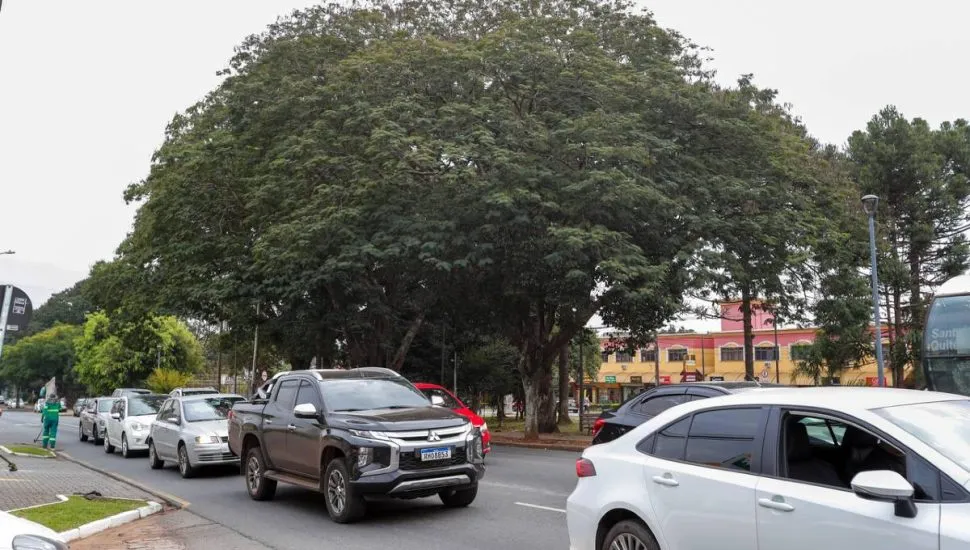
{"x":774,"y":321}
{"x":454,"y":372}
{"x":252,"y":387}
{"x":7,"y":296}
{"x":582,"y":375}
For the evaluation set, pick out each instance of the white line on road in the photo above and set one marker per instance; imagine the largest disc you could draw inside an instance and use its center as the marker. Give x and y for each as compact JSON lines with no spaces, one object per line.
{"x":536,"y":506}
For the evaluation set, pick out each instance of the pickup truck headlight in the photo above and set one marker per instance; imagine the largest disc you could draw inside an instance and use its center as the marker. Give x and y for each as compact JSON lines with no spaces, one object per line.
{"x":366,"y":434}
{"x":207,"y":439}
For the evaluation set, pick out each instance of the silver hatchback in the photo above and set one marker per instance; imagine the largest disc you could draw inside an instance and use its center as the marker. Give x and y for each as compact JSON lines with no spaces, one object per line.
{"x":193,"y":432}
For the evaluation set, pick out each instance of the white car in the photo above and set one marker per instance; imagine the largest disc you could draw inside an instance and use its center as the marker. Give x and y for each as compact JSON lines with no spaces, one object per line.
{"x":129,"y":422}
{"x":785,"y":469}
{"x":20,"y":534}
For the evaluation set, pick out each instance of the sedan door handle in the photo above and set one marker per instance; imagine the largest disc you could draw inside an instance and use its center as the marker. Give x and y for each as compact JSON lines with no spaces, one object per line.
{"x":779,"y":505}
{"x":291,"y":427}
{"x":666,"y":480}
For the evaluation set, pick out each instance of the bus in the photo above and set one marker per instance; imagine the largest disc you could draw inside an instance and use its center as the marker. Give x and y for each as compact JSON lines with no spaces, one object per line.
{"x":946,"y":338}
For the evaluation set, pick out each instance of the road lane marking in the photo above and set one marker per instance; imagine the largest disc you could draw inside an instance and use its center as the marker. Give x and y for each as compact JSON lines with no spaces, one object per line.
{"x":515,"y":487}
{"x":536,"y":506}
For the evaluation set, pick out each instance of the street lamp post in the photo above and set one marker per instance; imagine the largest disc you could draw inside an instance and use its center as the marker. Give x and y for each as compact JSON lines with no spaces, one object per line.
{"x":869,"y":204}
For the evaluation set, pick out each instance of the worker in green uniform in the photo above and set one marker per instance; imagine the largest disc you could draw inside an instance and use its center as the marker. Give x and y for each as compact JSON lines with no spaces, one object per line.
{"x":50,"y":416}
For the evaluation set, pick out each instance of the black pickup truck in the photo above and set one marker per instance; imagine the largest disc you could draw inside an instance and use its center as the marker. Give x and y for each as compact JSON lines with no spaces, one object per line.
{"x":350,"y":434}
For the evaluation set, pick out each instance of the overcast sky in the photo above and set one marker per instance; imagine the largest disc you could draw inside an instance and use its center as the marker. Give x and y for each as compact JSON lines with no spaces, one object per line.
{"x":86,"y":89}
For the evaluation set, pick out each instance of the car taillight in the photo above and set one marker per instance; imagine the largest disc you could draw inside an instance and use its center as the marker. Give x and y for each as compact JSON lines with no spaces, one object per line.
{"x":585,"y":468}
{"x":230,"y":414}
{"x":598,"y":425}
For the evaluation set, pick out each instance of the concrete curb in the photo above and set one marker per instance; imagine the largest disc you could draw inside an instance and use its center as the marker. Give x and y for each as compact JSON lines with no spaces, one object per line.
{"x":541,"y":445}
{"x":117,"y":520}
{"x":28,"y":455}
{"x":60,"y":498}
{"x":168,"y":499}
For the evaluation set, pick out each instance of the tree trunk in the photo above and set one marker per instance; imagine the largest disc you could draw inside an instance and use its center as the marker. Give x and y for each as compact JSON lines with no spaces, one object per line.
{"x":897,"y":330}
{"x":564,"y":386}
{"x":402,"y":350}
{"x":748,"y":333}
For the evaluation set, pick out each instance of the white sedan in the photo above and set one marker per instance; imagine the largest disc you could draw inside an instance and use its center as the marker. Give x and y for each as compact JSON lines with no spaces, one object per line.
{"x":20,"y":534}
{"x":785,"y":469}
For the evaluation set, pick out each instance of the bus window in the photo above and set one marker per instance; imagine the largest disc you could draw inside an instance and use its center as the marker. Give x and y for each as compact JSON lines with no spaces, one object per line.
{"x":946,"y":345}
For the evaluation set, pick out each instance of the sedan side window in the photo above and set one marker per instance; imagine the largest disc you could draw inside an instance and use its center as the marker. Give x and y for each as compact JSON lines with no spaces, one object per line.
{"x":653,"y":406}
{"x":163,"y":413}
{"x":669,"y":443}
{"x":724,"y":438}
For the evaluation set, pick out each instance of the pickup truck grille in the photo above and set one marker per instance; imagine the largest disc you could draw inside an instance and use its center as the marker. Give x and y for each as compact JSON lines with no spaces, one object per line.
{"x":412,"y":461}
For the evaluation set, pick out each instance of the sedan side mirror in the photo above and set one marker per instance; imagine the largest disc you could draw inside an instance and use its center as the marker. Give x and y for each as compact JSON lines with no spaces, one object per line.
{"x":437,"y":401}
{"x":886,"y":486}
{"x":116,"y":416}
{"x":305,"y":410}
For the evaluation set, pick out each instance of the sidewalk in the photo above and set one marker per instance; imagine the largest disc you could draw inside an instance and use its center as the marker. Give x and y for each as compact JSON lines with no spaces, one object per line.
{"x":176,"y":530}
{"x":40,"y":480}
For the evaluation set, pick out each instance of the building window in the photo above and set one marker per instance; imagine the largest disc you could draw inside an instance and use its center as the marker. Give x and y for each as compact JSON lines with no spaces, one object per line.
{"x":606,"y":356}
{"x":648,"y":355}
{"x":800,"y":352}
{"x":732,"y":354}
{"x":676,"y":355}
{"x":624,"y":357}
{"x":762,"y":353}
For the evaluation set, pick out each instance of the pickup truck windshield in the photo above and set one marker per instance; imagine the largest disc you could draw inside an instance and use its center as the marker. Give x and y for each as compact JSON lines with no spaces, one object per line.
{"x":143,"y":405}
{"x":369,"y":394}
{"x":212,"y":408}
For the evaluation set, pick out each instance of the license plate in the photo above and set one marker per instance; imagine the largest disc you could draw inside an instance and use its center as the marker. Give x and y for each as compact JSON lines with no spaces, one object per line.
{"x":440,"y":453}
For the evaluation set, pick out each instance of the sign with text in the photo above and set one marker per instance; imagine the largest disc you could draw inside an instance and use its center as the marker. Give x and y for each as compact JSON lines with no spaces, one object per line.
{"x":636,"y":380}
{"x":610,"y":379}
{"x":20,"y":309}
{"x":665,"y":379}
{"x":717,"y":379}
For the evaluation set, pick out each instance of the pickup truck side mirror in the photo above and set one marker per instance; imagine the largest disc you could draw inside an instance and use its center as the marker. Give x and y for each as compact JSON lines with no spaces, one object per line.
{"x":305,"y":410}
{"x":437,"y":401}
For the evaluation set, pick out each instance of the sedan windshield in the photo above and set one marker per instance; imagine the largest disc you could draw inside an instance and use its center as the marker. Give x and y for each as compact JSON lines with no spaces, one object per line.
{"x":212,"y":408}
{"x":368,"y":394}
{"x":943,"y":425}
{"x":145,"y":404}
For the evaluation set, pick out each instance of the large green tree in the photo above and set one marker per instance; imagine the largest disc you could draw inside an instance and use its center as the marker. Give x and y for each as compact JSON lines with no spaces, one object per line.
{"x":759,"y":206}
{"x":113,"y":354}
{"x":922,"y":177}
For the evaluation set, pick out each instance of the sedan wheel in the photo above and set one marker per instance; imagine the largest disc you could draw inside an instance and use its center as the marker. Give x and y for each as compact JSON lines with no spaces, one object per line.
{"x":124,"y":446}
{"x":185,"y":467}
{"x":108,"y":447}
{"x":629,"y":535}
{"x":80,"y":433}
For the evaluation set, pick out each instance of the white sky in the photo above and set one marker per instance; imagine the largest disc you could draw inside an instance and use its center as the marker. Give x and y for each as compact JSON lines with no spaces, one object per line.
{"x":86,"y":89}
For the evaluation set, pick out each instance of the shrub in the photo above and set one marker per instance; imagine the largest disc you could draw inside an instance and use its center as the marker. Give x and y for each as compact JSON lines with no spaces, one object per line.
{"x":165,"y":380}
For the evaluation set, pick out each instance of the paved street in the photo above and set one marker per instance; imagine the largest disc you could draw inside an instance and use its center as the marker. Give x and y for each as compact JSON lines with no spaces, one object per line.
{"x":520,"y":501}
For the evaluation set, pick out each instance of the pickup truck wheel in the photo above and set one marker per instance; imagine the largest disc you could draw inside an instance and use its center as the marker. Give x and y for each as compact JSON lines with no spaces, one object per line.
{"x":258,"y":485}
{"x":343,"y":504}
{"x":458,"y":498}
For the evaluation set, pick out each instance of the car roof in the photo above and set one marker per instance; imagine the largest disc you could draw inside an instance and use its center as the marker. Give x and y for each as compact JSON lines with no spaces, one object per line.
{"x":208,"y":396}
{"x":343,"y":374}
{"x":844,"y":398}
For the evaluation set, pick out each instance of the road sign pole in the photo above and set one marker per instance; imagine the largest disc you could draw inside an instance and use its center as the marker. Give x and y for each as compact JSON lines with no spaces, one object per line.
{"x":7,"y":296}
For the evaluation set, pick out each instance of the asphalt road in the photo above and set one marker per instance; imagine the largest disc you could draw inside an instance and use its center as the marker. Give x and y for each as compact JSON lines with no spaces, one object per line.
{"x":520,"y":502}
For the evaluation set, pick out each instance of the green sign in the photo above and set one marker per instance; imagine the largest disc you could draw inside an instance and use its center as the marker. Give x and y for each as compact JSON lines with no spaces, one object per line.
{"x":611,"y":380}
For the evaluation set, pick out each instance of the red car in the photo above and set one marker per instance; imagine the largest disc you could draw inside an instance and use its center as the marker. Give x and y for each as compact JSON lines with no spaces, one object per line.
{"x":455,"y":404}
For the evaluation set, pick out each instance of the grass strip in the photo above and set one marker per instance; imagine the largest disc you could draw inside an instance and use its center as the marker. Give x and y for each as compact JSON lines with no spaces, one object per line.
{"x":77,"y":511}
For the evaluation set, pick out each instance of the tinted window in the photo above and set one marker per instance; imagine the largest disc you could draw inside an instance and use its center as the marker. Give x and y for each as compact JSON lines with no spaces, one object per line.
{"x":308,"y":394}
{"x":727,"y":423}
{"x":723,"y":438}
{"x":670,"y":441}
{"x":653,"y":406}
{"x":286,"y":395}
{"x":734,"y":454}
